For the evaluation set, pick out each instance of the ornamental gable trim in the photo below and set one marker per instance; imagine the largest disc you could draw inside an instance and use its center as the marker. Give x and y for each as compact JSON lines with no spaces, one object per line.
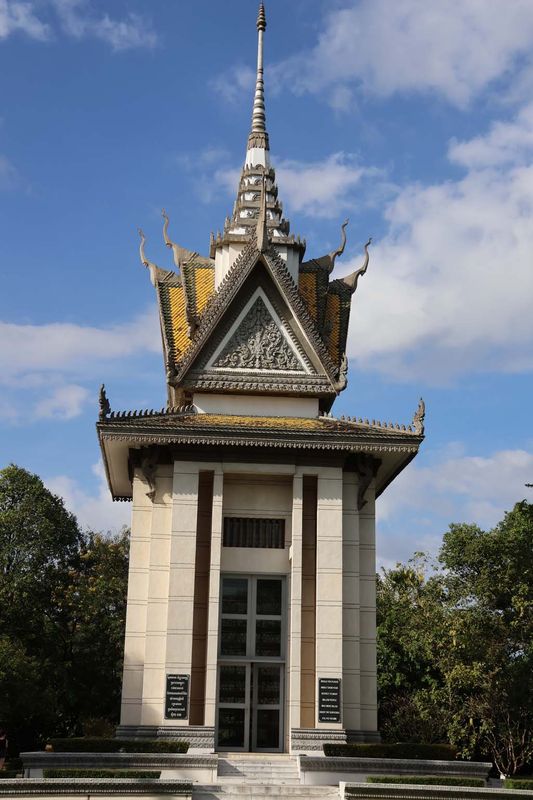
{"x":259,"y":341}
{"x":221,"y":358}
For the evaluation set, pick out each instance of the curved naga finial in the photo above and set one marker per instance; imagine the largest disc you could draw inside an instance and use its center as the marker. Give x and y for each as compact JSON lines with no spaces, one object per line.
{"x":340,"y":250}
{"x":419,"y":417}
{"x":148,"y":264}
{"x":181,"y":254}
{"x":351,"y":280}
{"x":329,"y":261}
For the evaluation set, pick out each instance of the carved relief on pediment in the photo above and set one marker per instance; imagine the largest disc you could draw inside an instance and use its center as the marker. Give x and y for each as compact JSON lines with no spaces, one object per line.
{"x":258,"y":343}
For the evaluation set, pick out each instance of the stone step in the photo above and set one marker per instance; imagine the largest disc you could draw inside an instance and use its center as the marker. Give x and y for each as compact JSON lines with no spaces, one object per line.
{"x":278,"y":770}
{"x":262,"y":792}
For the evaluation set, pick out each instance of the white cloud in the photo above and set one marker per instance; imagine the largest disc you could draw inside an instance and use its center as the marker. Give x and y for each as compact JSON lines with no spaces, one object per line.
{"x":234,"y":84}
{"x":96,"y":510}
{"x":322,"y":188}
{"x":454,"y":48}
{"x":415,"y":511}
{"x":51,"y":371}
{"x":449,"y":287}
{"x":18,"y":16}
{"x":63,"y":347}
{"x":79,"y":21}
{"x":65,"y":402}
{"x":506,"y":143}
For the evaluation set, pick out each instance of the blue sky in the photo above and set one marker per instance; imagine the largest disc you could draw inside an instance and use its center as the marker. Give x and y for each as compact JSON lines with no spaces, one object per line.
{"x":414,"y":119}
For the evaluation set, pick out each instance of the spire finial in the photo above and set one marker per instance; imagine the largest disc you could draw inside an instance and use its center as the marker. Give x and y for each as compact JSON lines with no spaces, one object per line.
{"x":258,"y":136}
{"x":261,"y":18}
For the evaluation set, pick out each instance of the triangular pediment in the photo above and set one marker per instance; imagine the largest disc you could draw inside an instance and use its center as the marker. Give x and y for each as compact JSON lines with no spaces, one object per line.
{"x":257,"y":336}
{"x":259,"y":341}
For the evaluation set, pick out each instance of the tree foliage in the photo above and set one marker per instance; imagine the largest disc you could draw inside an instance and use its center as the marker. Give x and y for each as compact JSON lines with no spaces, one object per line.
{"x":62,"y":611}
{"x":455,"y":643}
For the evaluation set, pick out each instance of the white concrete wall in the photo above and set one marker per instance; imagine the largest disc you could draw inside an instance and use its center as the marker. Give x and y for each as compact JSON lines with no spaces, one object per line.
{"x":329,"y":585}
{"x":148,"y":575}
{"x":367,"y":570}
{"x":161,"y":583}
{"x":351,"y":669}
{"x":214,"y":597}
{"x":255,"y":405}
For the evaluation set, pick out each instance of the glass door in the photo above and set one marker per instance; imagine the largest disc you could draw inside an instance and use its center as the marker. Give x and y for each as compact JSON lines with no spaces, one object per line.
{"x":267,"y":706}
{"x":251,"y":663}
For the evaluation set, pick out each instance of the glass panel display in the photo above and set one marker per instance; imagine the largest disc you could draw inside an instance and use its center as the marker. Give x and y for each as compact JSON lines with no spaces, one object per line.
{"x":232,"y":685}
{"x":268,"y":637}
{"x":268,"y":728}
{"x":231,"y":727}
{"x":269,"y":597}
{"x":233,"y":637}
{"x":268,"y":686}
{"x":234,"y":596}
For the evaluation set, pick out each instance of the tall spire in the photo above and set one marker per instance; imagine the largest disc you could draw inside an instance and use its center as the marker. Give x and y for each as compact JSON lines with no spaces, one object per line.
{"x":258,"y":137}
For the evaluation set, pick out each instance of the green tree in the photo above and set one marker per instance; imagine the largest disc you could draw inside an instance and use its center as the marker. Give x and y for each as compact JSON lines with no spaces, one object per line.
{"x":62,"y":612}
{"x":490,"y":585}
{"x":455,"y":643}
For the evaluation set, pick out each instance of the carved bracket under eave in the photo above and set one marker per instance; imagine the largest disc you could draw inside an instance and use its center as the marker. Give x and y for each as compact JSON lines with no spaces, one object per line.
{"x":149,"y":468}
{"x":367,"y":468}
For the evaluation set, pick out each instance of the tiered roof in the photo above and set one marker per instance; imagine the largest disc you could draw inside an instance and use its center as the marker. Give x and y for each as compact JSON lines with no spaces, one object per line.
{"x":188,"y":294}
{"x":253,"y":317}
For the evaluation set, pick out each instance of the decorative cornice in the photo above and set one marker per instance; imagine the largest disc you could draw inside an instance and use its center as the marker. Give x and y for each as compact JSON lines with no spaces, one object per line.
{"x":209,"y":430}
{"x":181,"y":411}
{"x":211,"y":381}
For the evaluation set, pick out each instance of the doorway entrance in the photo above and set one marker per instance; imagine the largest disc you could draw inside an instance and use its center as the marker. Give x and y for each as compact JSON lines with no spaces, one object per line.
{"x":251,"y":664}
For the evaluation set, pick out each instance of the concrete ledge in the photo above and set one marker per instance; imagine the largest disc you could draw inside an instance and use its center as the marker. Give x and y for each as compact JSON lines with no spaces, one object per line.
{"x":303,"y":739}
{"x":413,"y":791}
{"x":174,"y":766}
{"x":329,"y":771}
{"x":200,"y":737}
{"x":92,"y":787}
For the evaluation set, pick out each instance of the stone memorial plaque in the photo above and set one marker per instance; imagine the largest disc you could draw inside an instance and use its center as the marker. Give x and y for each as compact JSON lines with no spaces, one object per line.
{"x":177,"y":697}
{"x":329,"y":700}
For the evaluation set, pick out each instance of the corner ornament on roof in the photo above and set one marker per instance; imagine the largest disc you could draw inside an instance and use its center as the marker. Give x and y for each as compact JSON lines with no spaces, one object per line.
{"x":103,"y":402}
{"x":352,"y":279}
{"x":419,"y":417}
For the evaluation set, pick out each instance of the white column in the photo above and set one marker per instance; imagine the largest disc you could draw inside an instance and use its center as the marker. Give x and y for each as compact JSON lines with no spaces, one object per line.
{"x":134,"y":645}
{"x":157,"y":598}
{"x":179,"y":621}
{"x":329,"y":581}
{"x":351,"y":698}
{"x":295,"y":622}
{"x":214,"y":597}
{"x":367,"y":568}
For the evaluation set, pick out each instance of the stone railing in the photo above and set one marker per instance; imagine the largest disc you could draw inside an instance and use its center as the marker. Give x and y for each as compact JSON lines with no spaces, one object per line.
{"x":329,"y":771}
{"x":88,"y":788}
{"x":388,"y":791}
{"x":173,"y":766}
